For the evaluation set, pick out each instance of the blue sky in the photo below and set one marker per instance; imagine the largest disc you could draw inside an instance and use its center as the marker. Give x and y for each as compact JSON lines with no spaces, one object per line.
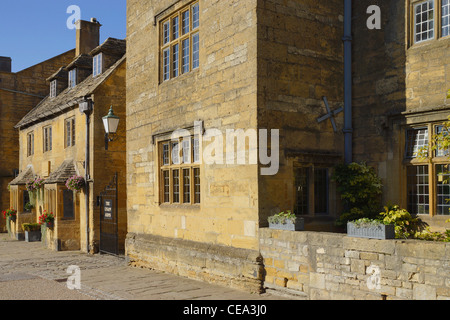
{"x":32,"y":31}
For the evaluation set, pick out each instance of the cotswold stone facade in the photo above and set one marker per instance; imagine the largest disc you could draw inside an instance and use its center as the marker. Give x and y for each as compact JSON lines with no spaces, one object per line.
{"x":399,"y":102}
{"x":19,"y":93}
{"x":57,"y":142}
{"x":250,"y":65}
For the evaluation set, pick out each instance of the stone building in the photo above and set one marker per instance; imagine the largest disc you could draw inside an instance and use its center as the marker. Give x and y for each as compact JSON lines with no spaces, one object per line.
{"x":257,"y":71}
{"x":63,"y":136}
{"x":19,"y":93}
{"x":401,"y":74}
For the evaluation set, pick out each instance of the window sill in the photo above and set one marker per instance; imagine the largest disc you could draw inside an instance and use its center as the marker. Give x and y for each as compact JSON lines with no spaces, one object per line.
{"x":183,"y":206}
{"x":191,"y":73}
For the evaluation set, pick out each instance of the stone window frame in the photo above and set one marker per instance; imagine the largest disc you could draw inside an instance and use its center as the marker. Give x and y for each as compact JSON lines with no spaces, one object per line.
{"x":170,"y":47}
{"x":30,"y":144}
{"x":175,"y":172}
{"x":434,"y":160}
{"x":69,"y":132}
{"x":437,"y":21}
{"x":47,"y":138}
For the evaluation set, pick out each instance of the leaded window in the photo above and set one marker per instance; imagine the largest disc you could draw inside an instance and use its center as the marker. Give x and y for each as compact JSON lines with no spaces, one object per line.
{"x":416,"y":141}
{"x":180,"y":42}
{"x":424,"y":21}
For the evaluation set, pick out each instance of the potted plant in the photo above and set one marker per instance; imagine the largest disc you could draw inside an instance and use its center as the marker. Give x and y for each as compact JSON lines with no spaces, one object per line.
{"x":370,"y":228}
{"x":47,"y":219}
{"x":75,"y":183}
{"x":32,"y":232}
{"x":286,"y":221}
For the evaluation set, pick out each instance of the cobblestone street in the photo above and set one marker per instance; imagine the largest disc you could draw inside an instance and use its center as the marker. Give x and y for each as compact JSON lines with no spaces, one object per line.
{"x":28,"y":271}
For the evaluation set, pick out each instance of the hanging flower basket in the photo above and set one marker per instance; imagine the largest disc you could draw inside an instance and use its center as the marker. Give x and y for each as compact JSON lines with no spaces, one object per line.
{"x":10,"y":214}
{"x":75,"y":183}
{"x":33,"y":187}
{"x":47,"y":219}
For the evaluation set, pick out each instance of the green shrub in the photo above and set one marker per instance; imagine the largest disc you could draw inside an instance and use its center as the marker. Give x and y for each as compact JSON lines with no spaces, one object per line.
{"x":31,"y":227}
{"x":360,"y":189}
{"x":406,"y":226}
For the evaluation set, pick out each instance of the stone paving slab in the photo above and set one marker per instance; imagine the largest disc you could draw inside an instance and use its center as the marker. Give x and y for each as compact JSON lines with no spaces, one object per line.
{"x":103,"y":277}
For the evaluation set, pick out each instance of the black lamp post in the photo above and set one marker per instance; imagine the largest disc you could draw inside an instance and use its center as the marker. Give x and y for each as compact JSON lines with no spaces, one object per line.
{"x":111,"y":123}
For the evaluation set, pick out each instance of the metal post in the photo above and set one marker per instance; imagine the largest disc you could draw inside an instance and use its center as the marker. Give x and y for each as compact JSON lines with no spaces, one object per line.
{"x":348,"y":129}
{"x":86,"y":108}
{"x":87,"y":168}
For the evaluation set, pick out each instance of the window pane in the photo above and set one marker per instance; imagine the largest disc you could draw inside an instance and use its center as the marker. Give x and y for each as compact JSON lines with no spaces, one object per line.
{"x":165,"y":154}
{"x":196,"y":149}
{"x":186,"y":151}
{"x":68,"y":211}
{"x":302,"y":190}
{"x":195,"y":50}
{"x":415,"y":140}
{"x":424,"y":21}
{"x":176,"y":185}
{"x":68,"y":135}
{"x":175,"y":60}
{"x":185,"y":65}
{"x":175,"y":153}
{"x":417,"y":189}
{"x":166,"y":64}
{"x":166,"y":32}
{"x":442,"y":189}
{"x":185,"y":22}
{"x":166,"y":182}
{"x":196,"y":185}
{"x":175,"y":28}
{"x":186,"y":185}
{"x":321,"y":190}
{"x":73,"y":132}
{"x":195,"y":16}
{"x":445,"y":18}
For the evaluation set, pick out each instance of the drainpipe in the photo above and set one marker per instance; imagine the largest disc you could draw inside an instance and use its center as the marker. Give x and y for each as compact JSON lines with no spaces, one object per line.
{"x":86,"y":108}
{"x":348,"y":129}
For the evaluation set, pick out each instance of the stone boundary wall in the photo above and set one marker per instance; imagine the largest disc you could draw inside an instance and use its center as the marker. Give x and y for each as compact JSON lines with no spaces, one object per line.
{"x":334,"y":266}
{"x":218,"y":264}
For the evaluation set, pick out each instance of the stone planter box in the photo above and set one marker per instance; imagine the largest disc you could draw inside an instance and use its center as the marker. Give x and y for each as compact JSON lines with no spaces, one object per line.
{"x":33,"y":236}
{"x":299,"y":225}
{"x":381,"y":231}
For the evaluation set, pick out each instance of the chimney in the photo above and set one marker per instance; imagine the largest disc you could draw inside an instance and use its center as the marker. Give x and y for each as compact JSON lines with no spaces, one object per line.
{"x":5,"y":64}
{"x":88,"y":36}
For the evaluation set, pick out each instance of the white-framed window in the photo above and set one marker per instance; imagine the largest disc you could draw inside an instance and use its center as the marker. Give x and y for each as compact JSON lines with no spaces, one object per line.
{"x":53,"y":86}
{"x":73,"y":78}
{"x":424,"y":21}
{"x":430,"y":20}
{"x":97,"y":65}
{"x":416,"y":140}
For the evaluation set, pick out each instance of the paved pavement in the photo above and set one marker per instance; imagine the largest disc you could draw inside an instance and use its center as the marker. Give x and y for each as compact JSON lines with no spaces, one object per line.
{"x":28,"y":271}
